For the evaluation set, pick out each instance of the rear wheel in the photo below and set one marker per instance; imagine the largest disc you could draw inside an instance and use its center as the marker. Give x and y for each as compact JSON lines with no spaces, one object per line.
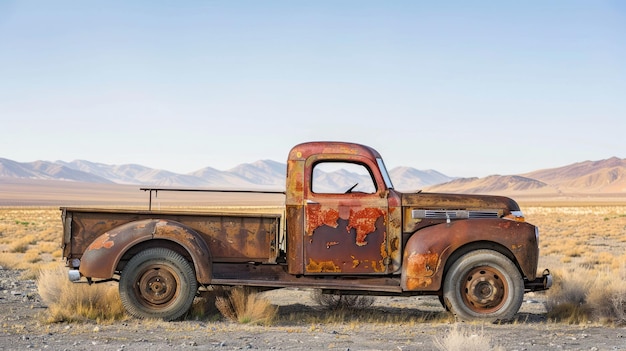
{"x":158,"y":283}
{"x":485,"y":285}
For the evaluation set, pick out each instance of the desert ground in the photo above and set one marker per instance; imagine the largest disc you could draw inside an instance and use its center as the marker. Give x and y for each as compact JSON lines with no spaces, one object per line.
{"x":582,"y":240}
{"x":22,"y":327}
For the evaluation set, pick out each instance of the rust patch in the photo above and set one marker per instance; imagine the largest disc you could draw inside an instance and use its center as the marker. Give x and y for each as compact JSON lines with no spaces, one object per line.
{"x":317,"y":217}
{"x":420,"y":269}
{"x":102,"y":242}
{"x":377,"y":266}
{"x":383,"y":247}
{"x":166,"y":229}
{"x":394,"y":244}
{"x":322,"y":267}
{"x":364,"y":221}
{"x":505,"y":224}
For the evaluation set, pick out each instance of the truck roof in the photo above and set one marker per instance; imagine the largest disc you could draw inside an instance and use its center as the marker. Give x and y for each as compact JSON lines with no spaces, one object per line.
{"x":304,"y":150}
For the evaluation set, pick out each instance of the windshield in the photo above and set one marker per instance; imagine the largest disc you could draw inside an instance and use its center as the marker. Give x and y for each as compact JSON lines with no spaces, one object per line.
{"x":383,"y":171}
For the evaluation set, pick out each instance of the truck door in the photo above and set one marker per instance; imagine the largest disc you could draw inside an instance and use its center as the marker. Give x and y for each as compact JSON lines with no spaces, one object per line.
{"x":346,"y":212}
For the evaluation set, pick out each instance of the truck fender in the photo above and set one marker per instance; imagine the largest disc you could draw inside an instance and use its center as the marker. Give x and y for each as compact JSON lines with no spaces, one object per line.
{"x":103,"y":255}
{"x":428,"y":250}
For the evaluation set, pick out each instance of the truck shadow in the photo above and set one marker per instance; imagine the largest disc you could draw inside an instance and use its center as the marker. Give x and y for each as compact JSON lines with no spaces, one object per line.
{"x":300,"y":313}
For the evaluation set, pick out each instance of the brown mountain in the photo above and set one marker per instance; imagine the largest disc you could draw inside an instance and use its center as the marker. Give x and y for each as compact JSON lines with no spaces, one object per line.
{"x":605,"y":176}
{"x":494,"y":184}
{"x":588,"y":177}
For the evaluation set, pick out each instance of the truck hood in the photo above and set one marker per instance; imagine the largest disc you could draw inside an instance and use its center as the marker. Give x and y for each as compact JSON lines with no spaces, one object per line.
{"x":459,"y":202}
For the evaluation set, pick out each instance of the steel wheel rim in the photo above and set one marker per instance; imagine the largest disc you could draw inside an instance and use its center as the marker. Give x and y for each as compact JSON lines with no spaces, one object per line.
{"x":484,"y":289}
{"x":157,"y":286}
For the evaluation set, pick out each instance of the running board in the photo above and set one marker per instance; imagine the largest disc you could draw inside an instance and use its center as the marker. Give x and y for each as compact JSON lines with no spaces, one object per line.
{"x":275,"y":276}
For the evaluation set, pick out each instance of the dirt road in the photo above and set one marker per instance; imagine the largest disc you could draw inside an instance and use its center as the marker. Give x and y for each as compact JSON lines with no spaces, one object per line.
{"x":21,"y":328}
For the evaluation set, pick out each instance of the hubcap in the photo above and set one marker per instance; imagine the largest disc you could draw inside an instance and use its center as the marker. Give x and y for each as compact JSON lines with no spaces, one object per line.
{"x":484,"y":290}
{"x":157,"y":286}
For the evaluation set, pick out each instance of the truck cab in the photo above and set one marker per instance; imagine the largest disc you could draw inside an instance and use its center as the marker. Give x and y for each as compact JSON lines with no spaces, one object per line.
{"x":351,"y":228}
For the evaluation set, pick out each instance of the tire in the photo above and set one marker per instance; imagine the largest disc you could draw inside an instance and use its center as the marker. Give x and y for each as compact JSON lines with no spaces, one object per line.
{"x":158,"y":283}
{"x":483,"y":285}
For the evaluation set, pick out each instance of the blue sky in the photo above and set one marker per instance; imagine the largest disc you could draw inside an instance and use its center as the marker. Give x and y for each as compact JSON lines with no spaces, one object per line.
{"x":468,"y":88}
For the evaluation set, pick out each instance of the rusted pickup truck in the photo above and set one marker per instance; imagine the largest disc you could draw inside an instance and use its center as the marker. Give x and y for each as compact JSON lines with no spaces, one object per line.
{"x":476,"y":253}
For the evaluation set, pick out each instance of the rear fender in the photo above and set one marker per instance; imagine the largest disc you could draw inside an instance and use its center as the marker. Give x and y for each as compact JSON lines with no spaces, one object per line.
{"x":103,"y":255}
{"x":427,"y":251}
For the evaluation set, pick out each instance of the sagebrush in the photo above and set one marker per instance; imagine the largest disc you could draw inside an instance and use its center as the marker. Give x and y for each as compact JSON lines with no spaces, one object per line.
{"x":244,"y":305}
{"x":71,"y":302}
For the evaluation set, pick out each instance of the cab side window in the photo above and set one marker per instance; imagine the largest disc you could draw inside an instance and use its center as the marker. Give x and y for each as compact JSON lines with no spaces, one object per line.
{"x":341,"y":178}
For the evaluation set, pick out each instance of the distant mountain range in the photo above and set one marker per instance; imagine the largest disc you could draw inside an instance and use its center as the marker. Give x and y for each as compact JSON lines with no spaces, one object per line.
{"x":264,"y":173}
{"x":605,"y":176}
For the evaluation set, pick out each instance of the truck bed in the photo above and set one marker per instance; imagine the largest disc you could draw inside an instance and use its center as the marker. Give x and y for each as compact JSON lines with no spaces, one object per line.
{"x":232,"y":236}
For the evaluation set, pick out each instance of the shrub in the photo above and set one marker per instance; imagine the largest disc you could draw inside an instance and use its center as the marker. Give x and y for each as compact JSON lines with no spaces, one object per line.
{"x":244,"y":306}
{"x":341,"y":301}
{"x":567,"y":298}
{"x":608,"y":299}
{"x":32,"y":256}
{"x":69,"y":302}
{"x":588,"y":295}
{"x":22,"y":245}
{"x":203,"y":307}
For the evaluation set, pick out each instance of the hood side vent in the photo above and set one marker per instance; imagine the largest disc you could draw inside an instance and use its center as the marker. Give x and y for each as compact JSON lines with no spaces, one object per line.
{"x":454,"y":214}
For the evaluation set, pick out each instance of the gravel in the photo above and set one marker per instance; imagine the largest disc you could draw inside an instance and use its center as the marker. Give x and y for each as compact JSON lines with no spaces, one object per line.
{"x":22,"y":327}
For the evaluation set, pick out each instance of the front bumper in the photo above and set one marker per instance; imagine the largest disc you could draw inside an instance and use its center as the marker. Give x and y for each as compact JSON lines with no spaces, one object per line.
{"x":540,"y":283}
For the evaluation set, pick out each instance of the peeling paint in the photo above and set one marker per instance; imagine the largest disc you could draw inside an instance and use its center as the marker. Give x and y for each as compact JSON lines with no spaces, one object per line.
{"x":364,"y":221}
{"x":383,"y":247}
{"x":378,"y":266}
{"x":394,"y":244}
{"x":322,"y":267}
{"x":102,"y":242}
{"x":420,"y":269}
{"x":317,"y":217}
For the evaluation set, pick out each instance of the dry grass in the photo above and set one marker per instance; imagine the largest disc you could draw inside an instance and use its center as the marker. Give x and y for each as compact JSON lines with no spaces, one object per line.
{"x":30,"y":239}
{"x":463,"y":339}
{"x":70,"y":302}
{"x":583,"y":245}
{"x":242,"y":305}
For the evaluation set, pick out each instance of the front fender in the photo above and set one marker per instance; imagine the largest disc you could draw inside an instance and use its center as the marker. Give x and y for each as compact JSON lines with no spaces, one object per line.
{"x":427,"y":251}
{"x":103,"y":255}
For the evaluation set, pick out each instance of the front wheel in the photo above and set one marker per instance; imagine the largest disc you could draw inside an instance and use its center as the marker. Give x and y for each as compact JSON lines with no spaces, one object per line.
{"x":158,"y":283}
{"x":483,"y":285}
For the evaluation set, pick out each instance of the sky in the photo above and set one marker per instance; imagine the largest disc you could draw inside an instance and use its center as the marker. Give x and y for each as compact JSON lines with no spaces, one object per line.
{"x":467,"y":88}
